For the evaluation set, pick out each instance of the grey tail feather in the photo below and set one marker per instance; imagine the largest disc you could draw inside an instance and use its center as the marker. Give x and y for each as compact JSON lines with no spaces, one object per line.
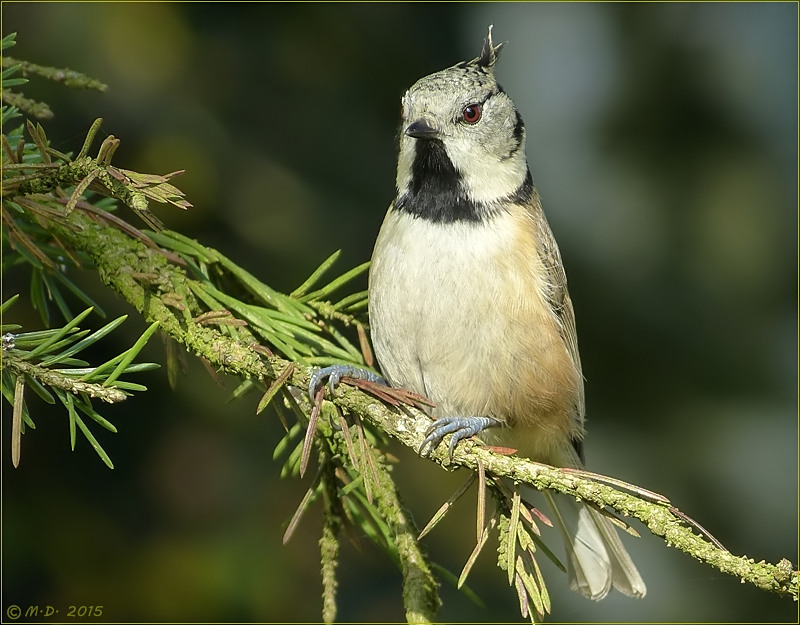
{"x":597,"y":561}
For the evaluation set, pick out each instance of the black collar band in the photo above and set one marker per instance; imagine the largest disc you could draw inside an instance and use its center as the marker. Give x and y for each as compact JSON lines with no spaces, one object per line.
{"x":436,"y":191}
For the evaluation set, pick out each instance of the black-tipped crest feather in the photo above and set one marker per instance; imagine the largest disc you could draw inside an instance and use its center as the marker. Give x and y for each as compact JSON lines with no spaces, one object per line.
{"x":489,"y":53}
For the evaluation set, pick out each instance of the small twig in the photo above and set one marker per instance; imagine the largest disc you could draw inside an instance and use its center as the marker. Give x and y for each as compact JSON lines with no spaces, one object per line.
{"x":49,"y":377}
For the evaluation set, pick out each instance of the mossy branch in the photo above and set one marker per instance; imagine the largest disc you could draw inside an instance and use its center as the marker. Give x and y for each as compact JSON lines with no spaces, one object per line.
{"x":119,"y":259}
{"x":65,"y":76}
{"x":39,"y":110}
{"x":354,"y":477}
{"x":146,"y":278}
{"x":660,"y":517}
{"x":56,"y":379}
{"x":420,"y":596}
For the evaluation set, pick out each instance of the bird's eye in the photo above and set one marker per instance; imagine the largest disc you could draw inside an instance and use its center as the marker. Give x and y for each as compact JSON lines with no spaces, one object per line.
{"x":472,"y":113}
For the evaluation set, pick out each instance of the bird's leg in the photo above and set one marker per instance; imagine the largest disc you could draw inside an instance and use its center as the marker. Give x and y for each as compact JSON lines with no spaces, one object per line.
{"x":459,"y":427}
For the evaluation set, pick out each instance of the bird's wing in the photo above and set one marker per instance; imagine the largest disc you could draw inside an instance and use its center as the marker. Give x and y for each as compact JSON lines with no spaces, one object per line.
{"x":558,"y":298}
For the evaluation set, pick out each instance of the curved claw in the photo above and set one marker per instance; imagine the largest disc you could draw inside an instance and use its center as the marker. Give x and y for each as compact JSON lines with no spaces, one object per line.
{"x":335,"y":373}
{"x":459,"y":427}
{"x":319,"y":376}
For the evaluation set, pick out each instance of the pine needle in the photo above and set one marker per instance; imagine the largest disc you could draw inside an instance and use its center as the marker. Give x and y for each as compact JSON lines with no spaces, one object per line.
{"x":473,"y":557}
{"x":308,"y":498}
{"x":445,"y":507}
{"x":275,"y":387}
{"x":310,"y":430}
{"x":16,"y":421}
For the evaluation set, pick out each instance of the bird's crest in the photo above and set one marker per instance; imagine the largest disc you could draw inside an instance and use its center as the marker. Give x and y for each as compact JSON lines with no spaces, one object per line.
{"x":489,"y":52}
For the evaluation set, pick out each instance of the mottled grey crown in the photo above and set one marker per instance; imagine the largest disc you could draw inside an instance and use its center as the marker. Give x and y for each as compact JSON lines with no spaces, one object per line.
{"x":474,"y":74}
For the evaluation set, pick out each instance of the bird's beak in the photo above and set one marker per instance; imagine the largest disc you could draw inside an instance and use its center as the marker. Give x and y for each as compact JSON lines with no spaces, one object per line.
{"x":422,"y":129}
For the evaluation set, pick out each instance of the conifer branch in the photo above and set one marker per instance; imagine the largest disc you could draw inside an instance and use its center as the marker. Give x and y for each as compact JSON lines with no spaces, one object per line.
{"x":118,"y":258}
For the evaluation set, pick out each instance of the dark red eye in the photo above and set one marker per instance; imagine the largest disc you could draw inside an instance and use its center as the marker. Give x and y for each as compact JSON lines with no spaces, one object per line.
{"x":472,"y":113}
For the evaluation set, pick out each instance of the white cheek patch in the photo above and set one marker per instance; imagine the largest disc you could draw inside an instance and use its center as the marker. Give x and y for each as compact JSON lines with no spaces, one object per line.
{"x":489,"y":156}
{"x":486,"y":178}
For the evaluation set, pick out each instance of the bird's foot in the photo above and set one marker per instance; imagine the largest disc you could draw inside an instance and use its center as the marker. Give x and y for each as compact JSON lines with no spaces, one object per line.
{"x":459,"y":427}
{"x":335,"y":373}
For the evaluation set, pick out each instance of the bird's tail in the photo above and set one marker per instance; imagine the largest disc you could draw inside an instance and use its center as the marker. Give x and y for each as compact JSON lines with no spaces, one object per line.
{"x":596,"y":559}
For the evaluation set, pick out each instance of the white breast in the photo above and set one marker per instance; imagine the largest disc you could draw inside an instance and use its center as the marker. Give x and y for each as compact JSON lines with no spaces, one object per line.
{"x":457,"y":310}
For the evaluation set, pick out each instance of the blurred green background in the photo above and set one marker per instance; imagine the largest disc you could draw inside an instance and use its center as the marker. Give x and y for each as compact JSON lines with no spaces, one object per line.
{"x":663,"y":140}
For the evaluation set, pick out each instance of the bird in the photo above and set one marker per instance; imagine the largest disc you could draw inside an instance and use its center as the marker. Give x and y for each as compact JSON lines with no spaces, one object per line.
{"x":468,"y":300}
